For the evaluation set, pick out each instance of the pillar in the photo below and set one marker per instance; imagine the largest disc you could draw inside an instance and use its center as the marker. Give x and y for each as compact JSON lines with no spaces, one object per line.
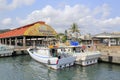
{"x":0,"y":41}
{"x":34,"y":42}
{"x":117,"y":41}
{"x":109,"y":42}
{"x":24,"y":41}
{"x":9,"y":41}
{"x":5,"y":41}
{"x":92,"y":42}
{"x":30,"y":42}
{"x":15,"y":41}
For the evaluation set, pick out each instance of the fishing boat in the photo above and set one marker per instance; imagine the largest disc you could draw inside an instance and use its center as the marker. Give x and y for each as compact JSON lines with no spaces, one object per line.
{"x":83,"y":56}
{"x":52,"y":57}
{"x":6,"y":50}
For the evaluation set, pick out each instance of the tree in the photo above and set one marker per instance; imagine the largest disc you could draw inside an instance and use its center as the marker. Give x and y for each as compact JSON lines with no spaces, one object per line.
{"x":66,"y":33}
{"x":61,"y":37}
{"x":64,"y":38}
{"x":75,"y":30}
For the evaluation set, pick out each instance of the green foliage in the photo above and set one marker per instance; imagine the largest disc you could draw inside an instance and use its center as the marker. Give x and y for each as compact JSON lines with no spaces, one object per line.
{"x":74,"y":28}
{"x":64,"y":38}
{"x":58,"y":35}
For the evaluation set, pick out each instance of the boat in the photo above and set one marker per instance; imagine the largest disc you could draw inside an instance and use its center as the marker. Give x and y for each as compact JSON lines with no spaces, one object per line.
{"x":83,"y":56}
{"x":51,"y":57}
{"x":6,"y":50}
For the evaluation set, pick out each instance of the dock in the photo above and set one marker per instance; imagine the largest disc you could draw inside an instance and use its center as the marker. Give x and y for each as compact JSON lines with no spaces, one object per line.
{"x":109,"y":54}
{"x":110,"y":59}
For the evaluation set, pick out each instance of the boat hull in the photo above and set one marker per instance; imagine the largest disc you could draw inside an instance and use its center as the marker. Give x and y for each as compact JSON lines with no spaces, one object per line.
{"x":87,"y":58}
{"x":52,"y":62}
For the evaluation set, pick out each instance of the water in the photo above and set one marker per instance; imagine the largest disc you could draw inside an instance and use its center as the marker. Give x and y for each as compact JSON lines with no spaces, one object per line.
{"x":25,"y":68}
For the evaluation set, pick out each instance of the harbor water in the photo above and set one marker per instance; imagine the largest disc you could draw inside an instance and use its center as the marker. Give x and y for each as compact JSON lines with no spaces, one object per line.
{"x":25,"y":68}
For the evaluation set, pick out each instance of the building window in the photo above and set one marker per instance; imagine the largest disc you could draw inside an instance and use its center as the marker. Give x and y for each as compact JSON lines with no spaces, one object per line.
{"x":113,"y":41}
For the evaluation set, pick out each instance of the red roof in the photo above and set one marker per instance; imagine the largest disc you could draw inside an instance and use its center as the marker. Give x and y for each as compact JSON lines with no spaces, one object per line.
{"x":18,"y":31}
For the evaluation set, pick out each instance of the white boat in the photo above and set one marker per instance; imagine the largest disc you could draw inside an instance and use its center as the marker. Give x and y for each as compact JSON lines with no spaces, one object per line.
{"x":83,"y":57}
{"x":51,"y":57}
{"x":6,"y":50}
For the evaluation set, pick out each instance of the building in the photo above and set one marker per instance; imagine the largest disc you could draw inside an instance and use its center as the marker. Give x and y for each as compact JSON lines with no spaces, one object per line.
{"x":110,"y":39}
{"x":38,"y":33}
{"x":86,"y":39}
{"x":73,"y":35}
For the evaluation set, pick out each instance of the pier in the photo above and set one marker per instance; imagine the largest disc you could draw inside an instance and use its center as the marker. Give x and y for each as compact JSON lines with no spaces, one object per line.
{"x":13,"y":52}
{"x":110,"y":59}
{"x":110,"y":54}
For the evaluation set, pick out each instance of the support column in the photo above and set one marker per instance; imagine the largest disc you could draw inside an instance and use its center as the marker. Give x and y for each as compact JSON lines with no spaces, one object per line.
{"x":109,"y":43}
{"x":30,"y":42}
{"x":92,"y":42}
{"x":36,"y":42}
{"x":0,"y":41}
{"x":24,"y":41}
{"x":117,"y":41}
{"x":33,"y":42}
{"x":10,"y":41}
{"x":16,"y":41}
{"x":5,"y":41}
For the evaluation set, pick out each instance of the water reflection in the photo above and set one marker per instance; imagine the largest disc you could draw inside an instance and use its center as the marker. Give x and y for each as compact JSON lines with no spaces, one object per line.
{"x":25,"y":68}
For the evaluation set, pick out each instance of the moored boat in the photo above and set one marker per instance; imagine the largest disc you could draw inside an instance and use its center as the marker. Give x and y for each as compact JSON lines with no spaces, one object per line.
{"x":51,"y":57}
{"x":83,"y":56}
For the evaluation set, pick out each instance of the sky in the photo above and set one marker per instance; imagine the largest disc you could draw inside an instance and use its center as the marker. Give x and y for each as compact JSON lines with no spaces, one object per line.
{"x":91,"y":16}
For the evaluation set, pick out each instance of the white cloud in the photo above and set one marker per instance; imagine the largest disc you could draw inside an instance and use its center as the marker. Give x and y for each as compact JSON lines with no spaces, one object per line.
{"x":6,"y":21}
{"x":89,"y":21}
{"x":102,"y":11}
{"x":4,"y":5}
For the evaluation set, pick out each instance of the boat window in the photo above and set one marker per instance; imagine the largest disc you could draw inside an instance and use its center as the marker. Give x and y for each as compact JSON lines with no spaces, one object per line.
{"x":77,"y":49}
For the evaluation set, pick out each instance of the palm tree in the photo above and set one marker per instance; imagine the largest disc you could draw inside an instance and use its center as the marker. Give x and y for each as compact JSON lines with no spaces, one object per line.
{"x":75,"y":30}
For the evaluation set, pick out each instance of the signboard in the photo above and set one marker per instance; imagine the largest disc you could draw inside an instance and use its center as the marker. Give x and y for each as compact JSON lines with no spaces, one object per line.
{"x":74,"y":43}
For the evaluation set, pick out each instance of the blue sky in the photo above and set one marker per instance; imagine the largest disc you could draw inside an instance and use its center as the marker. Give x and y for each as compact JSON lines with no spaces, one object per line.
{"x":92,"y":16}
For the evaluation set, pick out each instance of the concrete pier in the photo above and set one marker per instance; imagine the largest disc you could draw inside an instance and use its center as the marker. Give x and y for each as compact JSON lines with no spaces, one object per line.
{"x":16,"y":52}
{"x":110,"y":59}
{"x":19,"y":52}
{"x":109,"y":54}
